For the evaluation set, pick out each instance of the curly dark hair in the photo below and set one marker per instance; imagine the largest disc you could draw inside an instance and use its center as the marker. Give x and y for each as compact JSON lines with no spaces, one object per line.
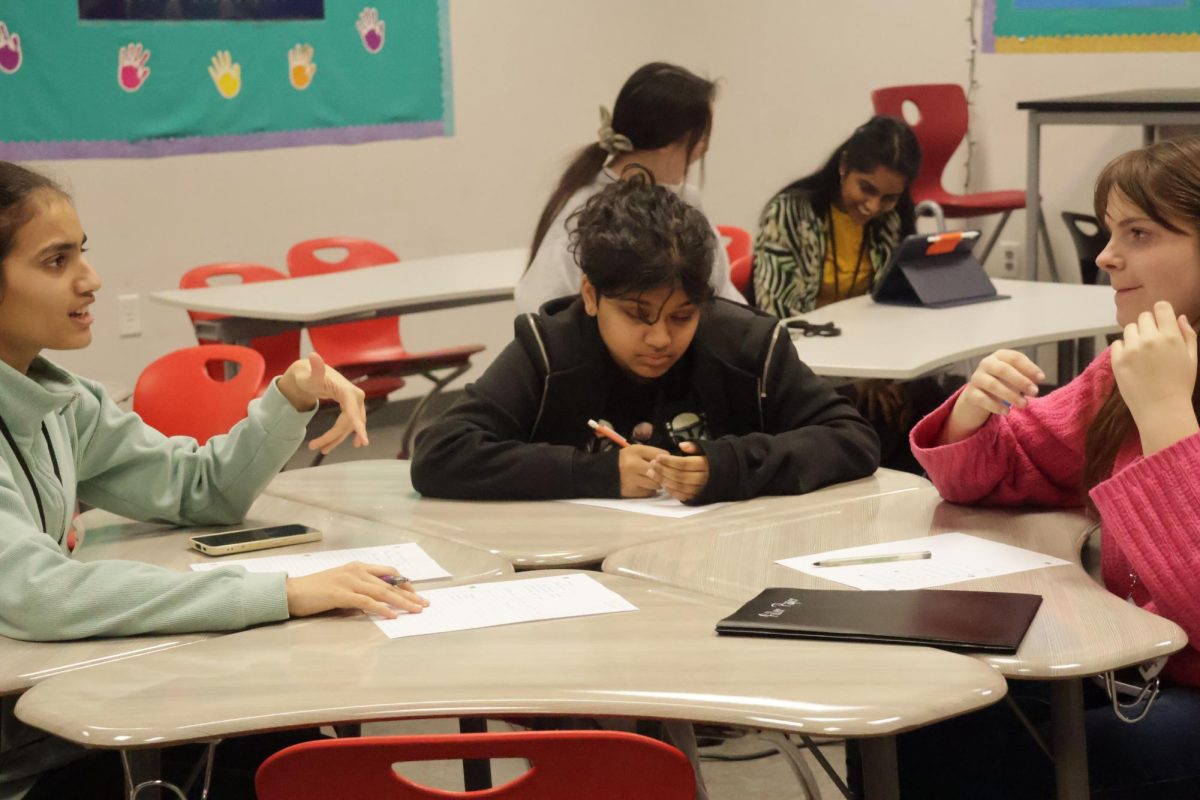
{"x":635,"y":237}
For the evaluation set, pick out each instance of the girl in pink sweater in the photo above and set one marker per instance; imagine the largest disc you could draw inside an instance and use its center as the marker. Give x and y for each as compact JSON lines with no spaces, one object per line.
{"x":1120,"y":439}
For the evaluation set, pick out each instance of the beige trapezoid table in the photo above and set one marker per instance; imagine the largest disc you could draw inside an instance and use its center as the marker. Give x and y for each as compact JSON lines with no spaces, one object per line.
{"x":1080,"y":630}
{"x":903,"y":342}
{"x":542,"y":534}
{"x":406,"y":287}
{"x":663,"y":661}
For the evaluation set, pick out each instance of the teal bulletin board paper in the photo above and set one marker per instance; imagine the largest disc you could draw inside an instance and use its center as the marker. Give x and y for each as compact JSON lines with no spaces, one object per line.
{"x":1021,"y":18}
{"x":151,"y":88}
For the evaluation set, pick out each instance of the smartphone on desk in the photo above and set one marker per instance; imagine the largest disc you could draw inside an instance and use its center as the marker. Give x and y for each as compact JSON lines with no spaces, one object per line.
{"x":247,"y":539}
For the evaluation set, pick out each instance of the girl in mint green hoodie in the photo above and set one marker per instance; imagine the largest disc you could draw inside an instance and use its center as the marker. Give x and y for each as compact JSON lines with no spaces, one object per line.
{"x":64,"y":440}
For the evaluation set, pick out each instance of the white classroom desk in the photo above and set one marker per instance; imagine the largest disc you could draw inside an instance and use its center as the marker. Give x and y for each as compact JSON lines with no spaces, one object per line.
{"x":107,"y":536}
{"x":663,"y":661}
{"x":905,"y":342}
{"x":1080,"y":630}
{"x":406,"y":287}
{"x":543,"y":534}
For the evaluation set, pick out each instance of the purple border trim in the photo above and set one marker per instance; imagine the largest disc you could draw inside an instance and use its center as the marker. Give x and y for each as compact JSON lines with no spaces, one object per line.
{"x":989,"y":26}
{"x":187,"y":145}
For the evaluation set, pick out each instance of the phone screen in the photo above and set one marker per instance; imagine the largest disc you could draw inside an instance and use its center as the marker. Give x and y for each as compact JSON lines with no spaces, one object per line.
{"x":251,"y":535}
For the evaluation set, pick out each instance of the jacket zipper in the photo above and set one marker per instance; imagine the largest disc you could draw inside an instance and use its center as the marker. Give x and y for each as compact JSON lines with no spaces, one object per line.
{"x":537,"y":335}
{"x":762,"y":381}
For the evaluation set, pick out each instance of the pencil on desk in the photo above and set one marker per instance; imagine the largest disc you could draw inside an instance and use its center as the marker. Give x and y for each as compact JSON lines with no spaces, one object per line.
{"x":604,"y":430}
{"x":880,"y":559}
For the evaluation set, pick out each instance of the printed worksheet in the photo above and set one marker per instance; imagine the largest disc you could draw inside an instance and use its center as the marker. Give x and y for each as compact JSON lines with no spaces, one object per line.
{"x":661,"y":505}
{"x":409,"y":559}
{"x":953,"y":557}
{"x":486,"y":605}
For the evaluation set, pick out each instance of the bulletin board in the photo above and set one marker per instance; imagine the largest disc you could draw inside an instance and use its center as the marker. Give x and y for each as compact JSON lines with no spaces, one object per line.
{"x":1090,"y":26}
{"x":77,"y":87}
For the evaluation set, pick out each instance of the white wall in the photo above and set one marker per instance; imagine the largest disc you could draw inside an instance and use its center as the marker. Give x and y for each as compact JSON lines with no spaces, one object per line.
{"x":528,"y":77}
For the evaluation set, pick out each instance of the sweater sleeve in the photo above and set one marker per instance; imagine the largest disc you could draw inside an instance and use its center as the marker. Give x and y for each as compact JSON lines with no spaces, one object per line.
{"x":1151,"y":512}
{"x":776,"y":262}
{"x":813,"y":437}
{"x":1032,"y":455}
{"x":480,"y":448}
{"x":129,"y":468}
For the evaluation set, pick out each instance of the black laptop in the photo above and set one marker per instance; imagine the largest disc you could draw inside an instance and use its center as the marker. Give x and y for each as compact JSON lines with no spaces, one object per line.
{"x":937,"y":270}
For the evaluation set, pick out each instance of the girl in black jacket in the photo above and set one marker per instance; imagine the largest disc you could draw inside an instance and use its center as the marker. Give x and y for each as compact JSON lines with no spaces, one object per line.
{"x":711,"y":395}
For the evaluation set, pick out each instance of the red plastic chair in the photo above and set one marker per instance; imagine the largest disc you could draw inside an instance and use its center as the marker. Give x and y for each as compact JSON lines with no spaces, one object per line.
{"x":178,"y":395}
{"x":942,"y":125}
{"x":740,"y":243}
{"x":741,"y":274}
{"x":373,"y":347}
{"x":278,"y":351}
{"x":566,"y":765}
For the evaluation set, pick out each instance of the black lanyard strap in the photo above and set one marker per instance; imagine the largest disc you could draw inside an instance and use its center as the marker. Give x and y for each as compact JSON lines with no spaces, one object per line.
{"x":862,"y":249}
{"x":37,"y":496}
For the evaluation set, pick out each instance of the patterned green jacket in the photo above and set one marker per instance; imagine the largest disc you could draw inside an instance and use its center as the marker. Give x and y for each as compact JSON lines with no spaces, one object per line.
{"x":789,"y":252}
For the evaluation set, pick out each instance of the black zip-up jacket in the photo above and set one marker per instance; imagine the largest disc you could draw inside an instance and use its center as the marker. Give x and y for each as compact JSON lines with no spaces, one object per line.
{"x":775,"y":427}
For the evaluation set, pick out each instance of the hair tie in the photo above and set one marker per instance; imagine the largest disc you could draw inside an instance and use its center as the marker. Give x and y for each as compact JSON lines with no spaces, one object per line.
{"x":609,"y":140}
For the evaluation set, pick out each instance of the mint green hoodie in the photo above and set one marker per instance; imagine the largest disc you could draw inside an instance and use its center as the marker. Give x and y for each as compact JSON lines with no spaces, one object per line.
{"x":109,"y":458}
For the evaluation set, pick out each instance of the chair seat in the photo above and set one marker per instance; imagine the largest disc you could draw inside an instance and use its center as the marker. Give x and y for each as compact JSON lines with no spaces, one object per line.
{"x":398,"y":361}
{"x":978,"y":204}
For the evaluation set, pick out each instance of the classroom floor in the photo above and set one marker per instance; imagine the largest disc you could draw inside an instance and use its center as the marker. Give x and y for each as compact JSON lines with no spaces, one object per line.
{"x":765,"y":777}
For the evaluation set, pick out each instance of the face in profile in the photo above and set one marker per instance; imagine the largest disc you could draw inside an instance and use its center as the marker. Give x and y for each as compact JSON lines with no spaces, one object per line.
{"x":866,"y":195}
{"x":48,"y":285}
{"x":1147,"y":261}
{"x":645,"y":333}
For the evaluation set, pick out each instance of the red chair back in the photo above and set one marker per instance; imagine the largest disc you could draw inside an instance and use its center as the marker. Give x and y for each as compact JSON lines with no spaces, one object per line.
{"x":740,"y":243}
{"x":278,"y":351}
{"x":939,"y":130}
{"x":566,"y":765}
{"x":350,"y":342}
{"x":178,"y":395}
{"x":741,"y":273}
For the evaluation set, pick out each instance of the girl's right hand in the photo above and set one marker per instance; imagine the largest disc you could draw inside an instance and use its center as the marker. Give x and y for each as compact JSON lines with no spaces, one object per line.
{"x":634,"y":467}
{"x":353,"y":585}
{"x":1004,"y":380}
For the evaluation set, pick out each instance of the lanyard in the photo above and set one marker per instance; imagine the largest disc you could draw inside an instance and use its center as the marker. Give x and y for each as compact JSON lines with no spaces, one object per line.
{"x":37,"y":496}
{"x":862,"y":248}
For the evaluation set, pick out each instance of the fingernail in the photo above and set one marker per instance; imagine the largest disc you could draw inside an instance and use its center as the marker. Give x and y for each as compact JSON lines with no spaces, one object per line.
{"x":1006,"y":404}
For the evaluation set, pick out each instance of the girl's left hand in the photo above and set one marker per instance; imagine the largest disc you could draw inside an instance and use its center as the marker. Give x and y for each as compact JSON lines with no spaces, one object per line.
{"x":684,"y":477}
{"x":308,"y":381}
{"x":1154,"y":365}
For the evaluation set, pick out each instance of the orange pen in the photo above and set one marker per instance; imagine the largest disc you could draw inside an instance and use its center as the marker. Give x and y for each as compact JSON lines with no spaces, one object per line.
{"x":604,"y":430}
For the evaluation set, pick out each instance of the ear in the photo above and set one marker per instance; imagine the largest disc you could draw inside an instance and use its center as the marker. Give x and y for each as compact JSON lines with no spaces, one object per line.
{"x":591,"y":300}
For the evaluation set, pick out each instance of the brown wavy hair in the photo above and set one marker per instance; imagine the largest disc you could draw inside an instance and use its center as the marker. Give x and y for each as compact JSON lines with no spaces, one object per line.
{"x":660,"y":104}
{"x":1163,"y":180}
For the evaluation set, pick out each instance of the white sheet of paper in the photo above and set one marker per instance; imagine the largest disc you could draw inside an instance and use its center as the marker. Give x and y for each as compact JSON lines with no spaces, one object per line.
{"x":954,"y":557}
{"x":409,"y":559}
{"x":662,"y":505}
{"x":486,"y":605}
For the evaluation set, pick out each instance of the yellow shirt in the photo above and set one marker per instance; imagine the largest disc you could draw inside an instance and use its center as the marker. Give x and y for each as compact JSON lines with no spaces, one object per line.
{"x":848,"y":236}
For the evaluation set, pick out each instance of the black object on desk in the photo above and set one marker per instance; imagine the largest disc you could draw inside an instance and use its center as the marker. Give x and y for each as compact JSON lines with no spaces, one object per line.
{"x":982,"y":622}
{"x":937,"y":270}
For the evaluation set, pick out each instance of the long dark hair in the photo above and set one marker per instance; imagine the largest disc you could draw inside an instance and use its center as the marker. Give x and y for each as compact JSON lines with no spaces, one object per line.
{"x":881,"y":141}
{"x":634,"y":237}
{"x":660,"y":104}
{"x":17,"y":185}
{"x":1163,"y":180}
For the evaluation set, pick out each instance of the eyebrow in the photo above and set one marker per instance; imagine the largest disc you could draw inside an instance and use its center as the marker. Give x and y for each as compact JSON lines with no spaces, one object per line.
{"x":1125,"y":223}
{"x":58,"y":247}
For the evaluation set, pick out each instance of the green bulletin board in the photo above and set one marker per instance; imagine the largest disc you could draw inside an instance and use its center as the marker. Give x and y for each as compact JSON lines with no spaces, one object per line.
{"x":72,"y":88}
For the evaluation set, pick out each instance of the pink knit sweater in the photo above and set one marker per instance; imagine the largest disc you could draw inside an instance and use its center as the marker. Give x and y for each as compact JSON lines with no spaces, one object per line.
{"x":1149,"y":507}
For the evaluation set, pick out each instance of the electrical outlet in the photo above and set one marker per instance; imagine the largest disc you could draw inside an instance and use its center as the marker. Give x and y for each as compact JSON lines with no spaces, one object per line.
{"x":129,"y":318}
{"x":1010,"y":258}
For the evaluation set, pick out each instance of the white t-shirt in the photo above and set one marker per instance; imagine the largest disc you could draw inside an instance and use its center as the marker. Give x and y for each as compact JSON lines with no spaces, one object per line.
{"x":554,"y":273}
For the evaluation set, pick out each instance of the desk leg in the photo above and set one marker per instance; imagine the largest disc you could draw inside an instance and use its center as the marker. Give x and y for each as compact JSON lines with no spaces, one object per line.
{"x":1147,"y":134}
{"x":1033,"y":197}
{"x":1070,"y":739}
{"x":477,"y":773}
{"x":142,"y":766}
{"x":881,"y":771}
